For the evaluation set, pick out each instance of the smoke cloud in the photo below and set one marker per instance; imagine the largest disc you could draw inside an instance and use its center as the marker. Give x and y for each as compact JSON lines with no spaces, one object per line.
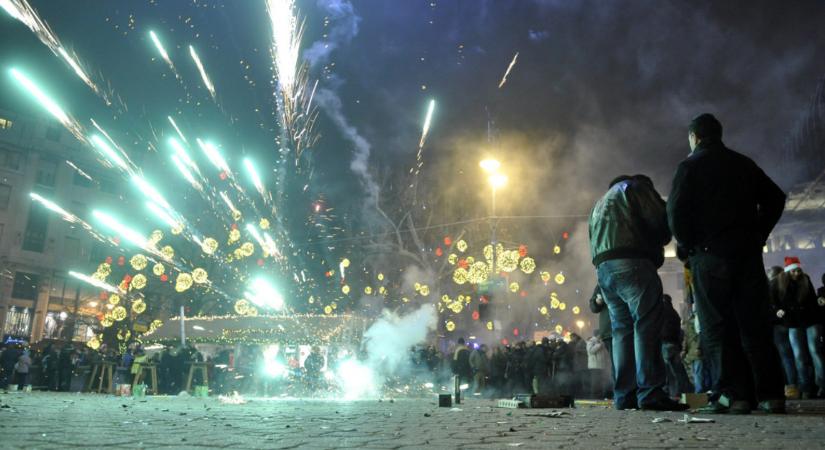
{"x":389,"y":339}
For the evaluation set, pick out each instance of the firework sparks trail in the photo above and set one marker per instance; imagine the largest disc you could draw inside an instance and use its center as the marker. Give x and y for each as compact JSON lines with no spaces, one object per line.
{"x":286,"y":42}
{"x":80,"y":171}
{"x":109,"y":153}
{"x":509,"y":68}
{"x":96,"y":283}
{"x":427,"y":121}
{"x":175,"y":126}
{"x":214,"y":156}
{"x":206,"y":81}
{"x":186,"y":173}
{"x":161,"y":50}
{"x":23,"y":12}
{"x":122,"y":153}
{"x":51,"y":106}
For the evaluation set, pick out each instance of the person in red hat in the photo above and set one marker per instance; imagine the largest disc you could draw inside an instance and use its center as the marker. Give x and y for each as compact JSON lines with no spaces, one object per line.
{"x":794,"y":301}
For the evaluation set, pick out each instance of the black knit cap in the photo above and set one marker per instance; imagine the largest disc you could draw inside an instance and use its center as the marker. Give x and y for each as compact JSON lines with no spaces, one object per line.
{"x":706,"y":126}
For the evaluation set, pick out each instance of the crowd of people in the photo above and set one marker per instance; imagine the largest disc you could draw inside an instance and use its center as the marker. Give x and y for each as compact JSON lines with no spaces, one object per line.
{"x":721,"y":210}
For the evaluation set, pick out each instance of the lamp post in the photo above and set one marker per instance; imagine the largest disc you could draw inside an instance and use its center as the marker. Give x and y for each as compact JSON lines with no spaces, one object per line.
{"x":497,"y":180}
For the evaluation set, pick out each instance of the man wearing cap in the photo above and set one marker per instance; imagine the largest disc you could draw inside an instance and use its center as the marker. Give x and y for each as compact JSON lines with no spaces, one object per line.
{"x":794,"y":301}
{"x":721,"y":209}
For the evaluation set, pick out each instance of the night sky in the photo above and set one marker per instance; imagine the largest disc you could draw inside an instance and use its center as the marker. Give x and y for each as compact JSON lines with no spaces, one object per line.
{"x":599,"y":88}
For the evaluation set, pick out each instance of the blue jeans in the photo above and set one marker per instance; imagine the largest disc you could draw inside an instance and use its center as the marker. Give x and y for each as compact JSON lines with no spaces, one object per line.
{"x":701,"y":376}
{"x":783,"y":344}
{"x":675,"y":374}
{"x":633,"y":293}
{"x":806,"y":341}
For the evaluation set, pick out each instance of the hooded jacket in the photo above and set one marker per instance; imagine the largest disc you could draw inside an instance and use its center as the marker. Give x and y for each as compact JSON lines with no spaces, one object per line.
{"x":629,"y":221}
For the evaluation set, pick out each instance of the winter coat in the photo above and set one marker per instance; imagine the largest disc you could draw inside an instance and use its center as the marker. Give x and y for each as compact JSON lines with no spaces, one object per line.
{"x":671,"y":325}
{"x":629,"y":221}
{"x":578,"y":349}
{"x":24,"y":362}
{"x":722,"y":203}
{"x":597,"y":354}
{"x":461,"y":362}
{"x":605,"y":327}
{"x":536,"y":361}
{"x":478,"y":361}
{"x":797,"y":299}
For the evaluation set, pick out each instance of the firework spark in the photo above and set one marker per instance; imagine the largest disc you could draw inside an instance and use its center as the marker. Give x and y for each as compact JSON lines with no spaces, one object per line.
{"x":23,"y":12}
{"x":427,"y":121}
{"x":96,"y":283}
{"x":175,"y":126}
{"x":509,"y":68}
{"x":206,"y":81}
{"x":161,"y":49}
{"x":253,"y":175}
{"x":127,"y":233}
{"x":286,"y":41}
{"x":214,"y":156}
{"x":50,"y":105}
{"x":110,"y":154}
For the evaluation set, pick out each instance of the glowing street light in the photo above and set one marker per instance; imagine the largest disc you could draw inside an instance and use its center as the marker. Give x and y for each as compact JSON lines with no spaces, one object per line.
{"x":580,"y":324}
{"x":490,"y":165}
{"x":497,"y":180}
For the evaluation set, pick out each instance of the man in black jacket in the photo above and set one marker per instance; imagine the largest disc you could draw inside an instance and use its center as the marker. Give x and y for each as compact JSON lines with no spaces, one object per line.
{"x":721,"y":209}
{"x":628,"y":232}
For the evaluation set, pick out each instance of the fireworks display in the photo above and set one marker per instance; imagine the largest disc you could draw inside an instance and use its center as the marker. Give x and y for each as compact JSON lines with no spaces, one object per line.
{"x":204,"y":240}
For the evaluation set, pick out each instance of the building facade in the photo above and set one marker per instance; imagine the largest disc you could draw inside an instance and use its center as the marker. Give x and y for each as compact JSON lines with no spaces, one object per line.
{"x":38,"y":300}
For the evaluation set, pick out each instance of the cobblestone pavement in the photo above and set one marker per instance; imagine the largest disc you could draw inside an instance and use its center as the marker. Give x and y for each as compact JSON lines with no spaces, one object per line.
{"x":58,"y":420}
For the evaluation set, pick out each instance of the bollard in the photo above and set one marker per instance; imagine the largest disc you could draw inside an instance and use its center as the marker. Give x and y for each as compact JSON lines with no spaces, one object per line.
{"x":457,"y":389}
{"x":445,"y":400}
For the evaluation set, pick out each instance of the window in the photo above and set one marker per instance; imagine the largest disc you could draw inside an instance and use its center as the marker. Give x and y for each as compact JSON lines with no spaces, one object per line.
{"x":71,"y":249}
{"x":108,"y":185}
{"x":46,"y":172}
{"x":54,"y":133}
{"x":5,"y":196}
{"x":58,"y":291}
{"x":18,"y":322}
{"x":10,"y":160}
{"x":25,"y":286}
{"x":34,"y":238}
{"x":100,"y":250}
{"x":5,"y":124}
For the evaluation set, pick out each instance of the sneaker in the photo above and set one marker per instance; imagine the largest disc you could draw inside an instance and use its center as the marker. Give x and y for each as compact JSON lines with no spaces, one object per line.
{"x":665,"y":404}
{"x":713,"y":408}
{"x":772,"y":406}
{"x":792,"y":392}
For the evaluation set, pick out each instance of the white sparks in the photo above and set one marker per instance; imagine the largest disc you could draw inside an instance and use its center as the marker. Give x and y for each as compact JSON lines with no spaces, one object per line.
{"x":127,"y":233}
{"x":94,"y":282}
{"x":109,"y":152}
{"x":427,"y":121}
{"x":160,"y":48}
{"x":206,"y":81}
{"x":175,"y":125}
{"x":509,"y":68}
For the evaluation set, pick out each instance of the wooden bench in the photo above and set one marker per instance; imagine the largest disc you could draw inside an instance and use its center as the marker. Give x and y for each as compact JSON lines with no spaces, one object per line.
{"x":106,"y":368}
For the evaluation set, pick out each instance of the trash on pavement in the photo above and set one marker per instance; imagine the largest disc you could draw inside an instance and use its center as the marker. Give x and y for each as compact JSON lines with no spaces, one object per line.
{"x":550,"y":414}
{"x":661,"y":420}
{"x":689,"y":419}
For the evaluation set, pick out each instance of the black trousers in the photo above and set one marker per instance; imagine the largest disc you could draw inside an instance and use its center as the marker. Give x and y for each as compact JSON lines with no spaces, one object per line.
{"x":732,"y":305}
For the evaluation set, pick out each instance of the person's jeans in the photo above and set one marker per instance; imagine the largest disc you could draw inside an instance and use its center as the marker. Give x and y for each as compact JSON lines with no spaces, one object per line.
{"x":806,"y":341}
{"x":731,"y":297}
{"x":701,"y":376}
{"x":783,"y":346}
{"x":676,"y":375}
{"x":633,"y":293}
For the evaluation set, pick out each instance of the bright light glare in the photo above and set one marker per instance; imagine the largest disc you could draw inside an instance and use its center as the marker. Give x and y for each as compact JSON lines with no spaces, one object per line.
{"x":185,"y":172}
{"x":490,"y":165}
{"x":52,"y":206}
{"x":263,"y":294}
{"x":160,"y":48}
{"x":253,"y":175}
{"x":580,"y":324}
{"x":213,"y":155}
{"x":181,"y":152}
{"x":272,"y":367}
{"x":41,"y":96}
{"x":206,"y":81}
{"x":162,"y":215}
{"x":94,"y":282}
{"x":150,"y":192}
{"x":127,"y":233}
{"x":498,"y":180}
{"x":255,"y":234}
{"x":427,"y":121}
{"x":109,"y":152}
{"x":357,"y":380}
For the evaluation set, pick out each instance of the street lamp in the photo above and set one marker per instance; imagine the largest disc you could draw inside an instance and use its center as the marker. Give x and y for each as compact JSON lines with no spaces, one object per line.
{"x":497,"y":180}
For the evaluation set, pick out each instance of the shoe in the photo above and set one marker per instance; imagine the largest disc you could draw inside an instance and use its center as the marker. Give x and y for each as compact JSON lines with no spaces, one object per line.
{"x":806,"y":396}
{"x":713,"y":408}
{"x":740,"y":407}
{"x":665,"y":404}
{"x":772,"y":406}
{"x":792,"y":392}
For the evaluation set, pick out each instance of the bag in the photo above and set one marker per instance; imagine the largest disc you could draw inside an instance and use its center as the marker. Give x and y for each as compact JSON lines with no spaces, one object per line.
{"x":139,"y":391}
